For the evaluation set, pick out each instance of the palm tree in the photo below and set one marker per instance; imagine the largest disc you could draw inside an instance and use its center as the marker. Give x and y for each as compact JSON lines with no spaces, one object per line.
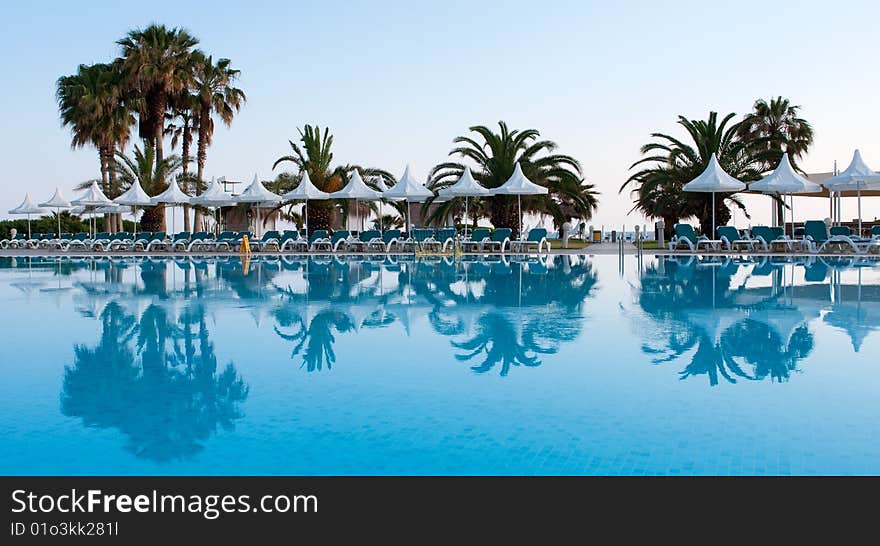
{"x":671,"y":163}
{"x":157,"y":64}
{"x":151,"y":175}
{"x":315,"y":158}
{"x":93,"y":104}
{"x":781,"y":129}
{"x":495,"y":158}
{"x":214,"y":94}
{"x":183,"y":125}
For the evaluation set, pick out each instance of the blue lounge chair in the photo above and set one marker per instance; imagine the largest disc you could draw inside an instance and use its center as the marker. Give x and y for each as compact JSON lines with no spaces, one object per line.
{"x":475,"y":242}
{"x":292,"y":240}
{"x":319,"y":239}
{"x":686,"y":237}
{"x":390,"y":240}
{"x":269,"y":239}
{"x":537,"y":239}
{"x":499,"y":241}
{"x":819,"y":239}
{"x":732,"y":240}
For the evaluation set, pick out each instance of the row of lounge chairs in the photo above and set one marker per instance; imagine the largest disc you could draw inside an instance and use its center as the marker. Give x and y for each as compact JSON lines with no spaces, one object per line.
{"x":814,"y":238}
{"x":422,"y":240}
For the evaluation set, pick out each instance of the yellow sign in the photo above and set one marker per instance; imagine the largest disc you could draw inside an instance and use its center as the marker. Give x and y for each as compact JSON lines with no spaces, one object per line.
{"x":245,"y":247}
{"x":246,"y":264}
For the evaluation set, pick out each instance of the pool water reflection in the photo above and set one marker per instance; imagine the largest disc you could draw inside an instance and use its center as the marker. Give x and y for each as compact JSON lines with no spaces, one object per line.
{"x":487,"y":365}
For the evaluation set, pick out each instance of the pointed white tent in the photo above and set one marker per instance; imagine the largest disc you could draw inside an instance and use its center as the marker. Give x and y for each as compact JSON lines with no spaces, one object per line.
{"x":519,"y":185}
{"x":134,"y":197}
{"x":714,"y":180}
{"x":257,"y":195}
{"x":57,"y":202}
{"x":465,"y":187}
{"x":92,"y":198}
{"x":172,"y":196}
{"x":305,"y":191}
{"x":358,"y":190}
{"x":27,"y":207}
{"x":857,"y":176}
{"x":784,"y":180}
{"x":215,"y":196}
{"x":409,"y":190}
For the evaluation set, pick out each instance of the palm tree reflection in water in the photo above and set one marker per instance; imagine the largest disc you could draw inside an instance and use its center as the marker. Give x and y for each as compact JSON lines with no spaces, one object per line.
{"x":167,"y":402}
{"x":523,"y":309}
{"x":694,"y":306}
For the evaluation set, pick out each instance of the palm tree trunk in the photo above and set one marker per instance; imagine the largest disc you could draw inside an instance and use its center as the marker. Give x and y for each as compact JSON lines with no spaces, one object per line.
{"x":114,"y":187}
{"x":158,"y":103}
{"x":105,"y":182}
{"x":185,"y":150}
{"x":320,"y":215}
{"x":202,"y":146}
{"x":504,"y":213}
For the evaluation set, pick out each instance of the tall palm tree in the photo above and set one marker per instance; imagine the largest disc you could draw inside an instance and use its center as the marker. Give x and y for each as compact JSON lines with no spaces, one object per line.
{"x":671,"y":163}
{"x":494,"y":160}
{"x":151,"y":175}
{"x":781,"y":129}
{"x":183,"y":125}
{"x":316,"y":158}
{"x":779,"y":126}
{"x":214,"y":94}
{"x":93,"y":104}
{"x":157,"y":64}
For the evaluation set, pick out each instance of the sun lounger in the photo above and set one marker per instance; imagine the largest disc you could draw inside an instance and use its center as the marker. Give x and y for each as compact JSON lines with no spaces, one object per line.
{"x":536,"y":239}
{"x":199,"y":240}
{"x":319,"y":239}
{"x":499,"y":241}
{"x":224,"y":241}
{"x":337,"y":242}
{"x":14,"y":242}
{"x":686,"y":237}
{"x":269,"y":239}
{"x":390,"y":240}
{"x":773,"y":239}
{"x":446,"y":238}
{"x":733,"y":241}
{"x":819,"y":239}
{"x":292,"y":240}
{"x":476,"y":240}
{"x":363,"y":240}
{"x":156,"y":241}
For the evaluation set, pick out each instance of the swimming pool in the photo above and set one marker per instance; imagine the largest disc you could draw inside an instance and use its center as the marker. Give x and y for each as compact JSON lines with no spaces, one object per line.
{"x":338,"y":366}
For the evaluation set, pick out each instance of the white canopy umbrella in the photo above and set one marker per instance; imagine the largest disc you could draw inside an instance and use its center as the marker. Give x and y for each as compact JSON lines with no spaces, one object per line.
{"x":92,"y":198}
{"x":409,"y":190}
{"x":172,"y":196}
{"x":519,"y":185}
{"x":713,"y":180}
{"x":216,"y":197}
{"x":257,"y":194}
{"x":27,"y":207}
{"x":358,"y":190}
{"x":134,"y":197}
{"x":784,"y":180}
{"x":305,"y":191}
{"x":57,"y":202}
{"x":465,"y":187}
{"x":856,"y":177}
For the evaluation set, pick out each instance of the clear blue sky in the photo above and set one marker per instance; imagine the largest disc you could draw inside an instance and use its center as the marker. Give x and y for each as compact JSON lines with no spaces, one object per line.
{"x":396,"y":81}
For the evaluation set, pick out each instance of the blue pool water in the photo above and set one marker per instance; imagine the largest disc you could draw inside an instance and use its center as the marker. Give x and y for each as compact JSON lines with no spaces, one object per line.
{"x":572,"y":365}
